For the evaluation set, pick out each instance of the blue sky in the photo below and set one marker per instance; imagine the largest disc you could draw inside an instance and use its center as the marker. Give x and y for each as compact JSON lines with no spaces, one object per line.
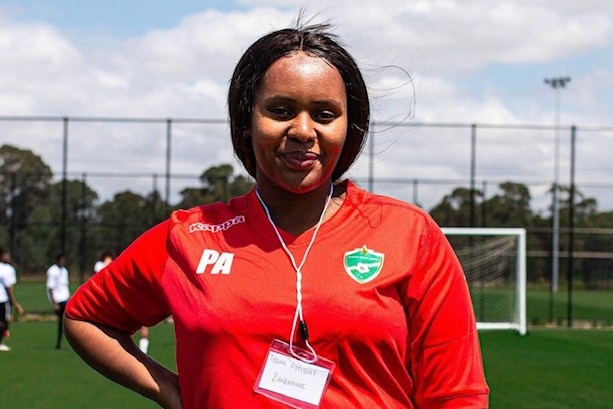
{"x":469,"y":61}
{"x":118,"y":18}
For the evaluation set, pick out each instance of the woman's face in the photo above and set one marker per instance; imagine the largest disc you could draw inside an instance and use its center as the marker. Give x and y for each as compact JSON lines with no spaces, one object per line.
{"x":299,"y":123}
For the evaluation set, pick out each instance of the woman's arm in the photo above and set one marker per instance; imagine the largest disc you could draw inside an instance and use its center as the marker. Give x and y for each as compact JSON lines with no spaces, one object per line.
{"x":114,"y":354}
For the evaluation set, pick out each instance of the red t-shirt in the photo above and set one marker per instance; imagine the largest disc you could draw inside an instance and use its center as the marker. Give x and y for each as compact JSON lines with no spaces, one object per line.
{"x":384,"y":297}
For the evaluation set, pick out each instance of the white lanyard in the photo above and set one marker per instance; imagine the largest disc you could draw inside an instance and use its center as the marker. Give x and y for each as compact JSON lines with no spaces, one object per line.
{"x":298,"y":314}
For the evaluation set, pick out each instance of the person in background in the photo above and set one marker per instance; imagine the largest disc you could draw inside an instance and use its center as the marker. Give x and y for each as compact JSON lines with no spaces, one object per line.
{"x":58,"y":292}
{"x":143,"y":339}
{"x":390,"y":320}
{"x":8,"y":302}
{"x":105,"y":258}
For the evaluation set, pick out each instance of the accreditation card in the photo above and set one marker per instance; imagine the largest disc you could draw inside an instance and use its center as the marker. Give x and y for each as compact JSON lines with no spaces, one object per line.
{"x":292,"y":381}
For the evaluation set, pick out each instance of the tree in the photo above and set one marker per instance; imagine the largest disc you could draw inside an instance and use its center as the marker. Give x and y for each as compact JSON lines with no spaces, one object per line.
{"x":510,"y":208}
{"x":219,"y":184}
{"x":155,"y":209}
{"x":24,"y":183}
{"x":122,"y":220}
{"x":240,"y":185}
{"x":455,"y":208}
{"x":585,"y":208}
{"x":40,"y":240}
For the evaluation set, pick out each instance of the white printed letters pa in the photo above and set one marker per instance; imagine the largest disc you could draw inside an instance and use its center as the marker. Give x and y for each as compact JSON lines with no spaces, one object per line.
{"x":215,"y":262}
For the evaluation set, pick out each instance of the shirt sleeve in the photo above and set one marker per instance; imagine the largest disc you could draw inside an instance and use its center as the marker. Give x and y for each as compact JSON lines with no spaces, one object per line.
{"x":11,"y":276}
{"x":445,"y":355}
{"x":51,"y":278}
{"x":127,"y":294}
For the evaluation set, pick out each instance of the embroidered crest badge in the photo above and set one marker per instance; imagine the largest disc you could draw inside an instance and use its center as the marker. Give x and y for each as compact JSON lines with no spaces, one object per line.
{"x":363,"y":264}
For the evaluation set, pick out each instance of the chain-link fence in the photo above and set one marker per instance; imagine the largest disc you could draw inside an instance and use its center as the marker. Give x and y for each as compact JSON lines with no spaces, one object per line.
{"x":424,"y":163}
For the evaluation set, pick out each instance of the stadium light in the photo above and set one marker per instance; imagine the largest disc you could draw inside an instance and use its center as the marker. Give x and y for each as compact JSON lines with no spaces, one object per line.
{"x":556,"y":83}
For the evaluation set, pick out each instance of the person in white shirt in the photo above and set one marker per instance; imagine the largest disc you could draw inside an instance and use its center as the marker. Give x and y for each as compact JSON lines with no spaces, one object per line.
{"x":8,"y":278}
{"x":58,"y":291}
{"x":104,"y":261}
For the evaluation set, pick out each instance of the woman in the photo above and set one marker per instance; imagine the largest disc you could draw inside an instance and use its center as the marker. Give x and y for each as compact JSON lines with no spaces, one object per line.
{"x":305,"y":292}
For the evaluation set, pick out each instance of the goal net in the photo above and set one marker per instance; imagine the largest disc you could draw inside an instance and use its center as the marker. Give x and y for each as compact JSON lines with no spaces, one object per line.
{"x":494,"y":261}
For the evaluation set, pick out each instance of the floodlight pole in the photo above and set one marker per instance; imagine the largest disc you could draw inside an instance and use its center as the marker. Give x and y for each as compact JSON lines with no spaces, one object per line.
{"x":556,"y":83}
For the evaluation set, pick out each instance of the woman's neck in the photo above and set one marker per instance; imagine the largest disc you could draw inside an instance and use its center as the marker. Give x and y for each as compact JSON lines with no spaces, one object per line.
{"x":297,"y":213}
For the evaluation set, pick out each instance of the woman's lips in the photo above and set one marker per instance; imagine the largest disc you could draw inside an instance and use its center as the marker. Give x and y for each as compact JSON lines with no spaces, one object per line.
{"x":299,"y":160}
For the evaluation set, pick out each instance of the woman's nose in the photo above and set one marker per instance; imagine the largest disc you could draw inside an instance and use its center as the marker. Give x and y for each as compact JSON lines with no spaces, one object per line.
{"x":302,"y":127}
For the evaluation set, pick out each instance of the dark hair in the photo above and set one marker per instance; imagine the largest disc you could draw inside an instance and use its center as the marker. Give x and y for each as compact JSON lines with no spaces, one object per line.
{"x":249,"y":73}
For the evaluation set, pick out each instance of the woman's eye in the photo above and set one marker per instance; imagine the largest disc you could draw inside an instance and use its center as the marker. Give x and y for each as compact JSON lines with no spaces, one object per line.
{"x":280,"y":112}
{"x":325,"y":116}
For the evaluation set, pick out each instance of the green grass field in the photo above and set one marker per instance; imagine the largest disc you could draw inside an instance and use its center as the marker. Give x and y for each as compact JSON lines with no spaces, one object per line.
{"x":37,"y":376}
{"x":547,"y":369}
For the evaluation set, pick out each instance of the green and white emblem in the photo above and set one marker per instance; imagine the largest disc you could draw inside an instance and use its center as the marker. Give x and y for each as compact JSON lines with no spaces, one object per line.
{"x":363,"y":265}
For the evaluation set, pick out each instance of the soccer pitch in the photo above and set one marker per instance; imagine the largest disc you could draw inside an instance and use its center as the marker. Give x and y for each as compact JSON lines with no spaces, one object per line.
{"x":549,"y":368}
{"x":546,"y":369}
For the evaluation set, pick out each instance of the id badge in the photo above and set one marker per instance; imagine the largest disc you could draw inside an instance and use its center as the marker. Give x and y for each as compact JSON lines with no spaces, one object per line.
{"x":292,"y":381}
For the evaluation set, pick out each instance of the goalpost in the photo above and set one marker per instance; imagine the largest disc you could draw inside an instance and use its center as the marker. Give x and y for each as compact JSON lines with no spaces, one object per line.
{"x":494,"y":261}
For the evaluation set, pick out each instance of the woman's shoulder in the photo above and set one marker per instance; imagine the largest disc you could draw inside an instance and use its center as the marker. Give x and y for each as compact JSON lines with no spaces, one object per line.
{"x":213,"y":213}
{"x":363,"y":197}
{"x":394,"y":213}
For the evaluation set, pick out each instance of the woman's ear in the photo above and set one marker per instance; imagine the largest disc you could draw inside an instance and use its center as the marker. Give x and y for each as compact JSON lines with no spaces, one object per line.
{"x":247,"y":133}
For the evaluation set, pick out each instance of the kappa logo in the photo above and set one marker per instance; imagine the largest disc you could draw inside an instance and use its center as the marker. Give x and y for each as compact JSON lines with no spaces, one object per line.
{"x":363,"y":264}
{"x":214,"y":262}
{"x":216,"y":228}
